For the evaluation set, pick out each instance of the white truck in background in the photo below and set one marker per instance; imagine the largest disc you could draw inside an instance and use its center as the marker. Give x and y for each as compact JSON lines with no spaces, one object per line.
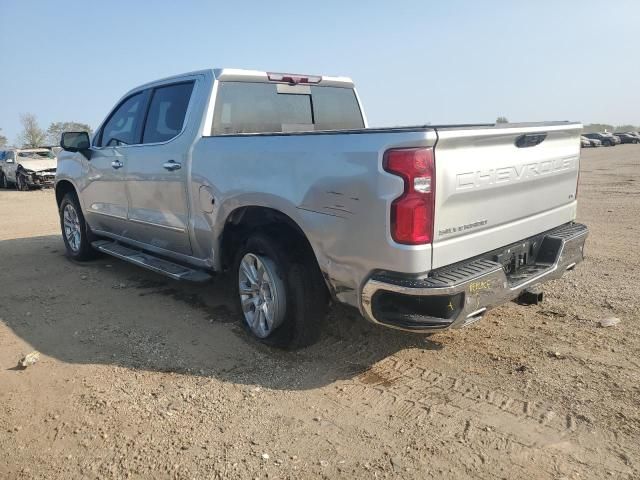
{"x":277,"y":179}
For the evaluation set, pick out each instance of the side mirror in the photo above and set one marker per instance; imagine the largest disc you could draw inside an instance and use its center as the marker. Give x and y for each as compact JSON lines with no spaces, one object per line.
{"x":76,"y":142}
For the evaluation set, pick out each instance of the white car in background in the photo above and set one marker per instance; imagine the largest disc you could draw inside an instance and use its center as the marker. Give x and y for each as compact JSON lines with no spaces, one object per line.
{"x":27,"y":168}
{"x":589,"y":142}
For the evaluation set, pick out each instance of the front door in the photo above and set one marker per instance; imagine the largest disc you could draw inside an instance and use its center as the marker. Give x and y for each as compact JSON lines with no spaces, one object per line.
{"x":105,"y":193}
{"x":156,"y":173}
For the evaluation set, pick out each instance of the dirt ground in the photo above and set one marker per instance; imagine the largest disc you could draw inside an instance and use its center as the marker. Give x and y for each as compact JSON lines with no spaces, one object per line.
{"x":143,"y":377}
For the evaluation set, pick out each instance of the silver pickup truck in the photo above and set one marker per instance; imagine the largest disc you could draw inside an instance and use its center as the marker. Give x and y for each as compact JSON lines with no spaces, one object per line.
{"x":277,"y":179}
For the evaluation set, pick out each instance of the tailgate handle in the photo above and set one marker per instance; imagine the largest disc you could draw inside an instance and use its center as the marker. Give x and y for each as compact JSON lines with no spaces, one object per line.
{"x":530,"y":140}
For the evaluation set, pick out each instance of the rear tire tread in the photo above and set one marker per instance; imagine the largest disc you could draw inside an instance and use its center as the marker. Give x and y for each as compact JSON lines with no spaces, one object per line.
{"x":306,"y":293}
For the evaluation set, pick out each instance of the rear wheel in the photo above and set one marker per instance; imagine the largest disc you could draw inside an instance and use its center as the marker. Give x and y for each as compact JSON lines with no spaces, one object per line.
{"x":262,"y":294}
{"x":281,"y":293}
{"x":74,"y":229}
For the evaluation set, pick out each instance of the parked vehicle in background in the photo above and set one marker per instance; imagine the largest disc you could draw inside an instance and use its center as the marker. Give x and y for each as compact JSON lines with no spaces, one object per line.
{"x":27,"y":168}
{"x":615,"y":138}
{"x":589,"y":142}
{"x":628,"y":137}
{"x":607,"y":139}
{"x":277,"y":179}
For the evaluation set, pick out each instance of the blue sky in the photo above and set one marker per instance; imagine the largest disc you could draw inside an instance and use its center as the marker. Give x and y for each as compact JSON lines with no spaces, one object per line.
{"x":413,"y":61}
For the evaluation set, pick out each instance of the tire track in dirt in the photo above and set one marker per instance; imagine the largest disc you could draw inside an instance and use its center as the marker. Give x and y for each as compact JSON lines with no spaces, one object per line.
{"x":452,"y":407}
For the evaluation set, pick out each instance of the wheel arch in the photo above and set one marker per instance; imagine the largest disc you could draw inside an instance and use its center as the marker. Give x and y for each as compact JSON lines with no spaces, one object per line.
{"x":63,"y":187}
{"x":250,"y":218}
{"x":243,"y":221}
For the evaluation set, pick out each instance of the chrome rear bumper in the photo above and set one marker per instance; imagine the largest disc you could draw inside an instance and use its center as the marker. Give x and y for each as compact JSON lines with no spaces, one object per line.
{"x":458,"y":296}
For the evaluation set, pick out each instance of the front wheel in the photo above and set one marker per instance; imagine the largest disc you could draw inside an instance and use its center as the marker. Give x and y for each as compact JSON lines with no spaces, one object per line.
{"x":3,"y":181}
{"x":74,"y":229}
{"x":21,"y":182}
{"x":281,"y":293}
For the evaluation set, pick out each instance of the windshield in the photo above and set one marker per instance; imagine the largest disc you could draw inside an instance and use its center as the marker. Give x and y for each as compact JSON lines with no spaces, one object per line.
{"x":39,"y":155}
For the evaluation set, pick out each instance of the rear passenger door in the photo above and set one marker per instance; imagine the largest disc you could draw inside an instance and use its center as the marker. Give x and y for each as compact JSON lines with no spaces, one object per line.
{"x":156,"y":171}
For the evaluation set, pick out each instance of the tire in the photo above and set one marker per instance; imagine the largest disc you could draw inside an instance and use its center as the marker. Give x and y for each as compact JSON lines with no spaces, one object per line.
{"x":75,"y":232}
{"x":21,"y":183}
{"x":3,"y":181}
{"x":294,"y":283}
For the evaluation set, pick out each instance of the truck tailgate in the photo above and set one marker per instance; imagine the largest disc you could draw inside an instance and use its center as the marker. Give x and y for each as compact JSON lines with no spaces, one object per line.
{"x":497,"y":185}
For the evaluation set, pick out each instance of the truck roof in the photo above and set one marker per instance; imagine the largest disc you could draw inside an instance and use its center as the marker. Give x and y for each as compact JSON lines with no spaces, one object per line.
{"x":241,"y":75}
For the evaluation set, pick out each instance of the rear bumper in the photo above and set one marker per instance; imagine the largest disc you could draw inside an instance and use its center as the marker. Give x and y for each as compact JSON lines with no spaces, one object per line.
{"x":457,"y":296}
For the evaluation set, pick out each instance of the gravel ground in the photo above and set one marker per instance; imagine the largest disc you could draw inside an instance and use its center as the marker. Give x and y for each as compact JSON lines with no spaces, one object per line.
{"x":142,"y":377}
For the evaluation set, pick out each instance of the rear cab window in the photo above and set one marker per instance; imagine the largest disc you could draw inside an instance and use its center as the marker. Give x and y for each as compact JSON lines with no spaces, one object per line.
{"x":253,"y":107}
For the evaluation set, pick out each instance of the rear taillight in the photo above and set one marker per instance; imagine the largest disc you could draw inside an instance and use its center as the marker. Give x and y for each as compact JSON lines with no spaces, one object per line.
{"x":412,"y":212}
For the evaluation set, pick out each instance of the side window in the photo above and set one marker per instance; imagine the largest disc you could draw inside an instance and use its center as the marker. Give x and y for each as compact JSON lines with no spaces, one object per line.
{"x":123,"y":127}
{"x":166,"y":112}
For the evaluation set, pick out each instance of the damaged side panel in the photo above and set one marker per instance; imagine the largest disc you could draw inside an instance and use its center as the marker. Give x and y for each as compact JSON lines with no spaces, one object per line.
{"x":335,"y":190}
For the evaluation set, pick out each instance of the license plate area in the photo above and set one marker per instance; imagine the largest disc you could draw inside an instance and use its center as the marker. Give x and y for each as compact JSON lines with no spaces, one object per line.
{"x":518,"y":256}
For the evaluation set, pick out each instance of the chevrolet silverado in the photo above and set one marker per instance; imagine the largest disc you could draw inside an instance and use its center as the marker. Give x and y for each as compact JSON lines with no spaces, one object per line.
{"x":277,"y":179}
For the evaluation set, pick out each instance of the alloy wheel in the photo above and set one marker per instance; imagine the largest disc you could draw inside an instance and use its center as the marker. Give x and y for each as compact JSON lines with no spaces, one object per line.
{"x":72,"y":231}
{"x":261,"y":294}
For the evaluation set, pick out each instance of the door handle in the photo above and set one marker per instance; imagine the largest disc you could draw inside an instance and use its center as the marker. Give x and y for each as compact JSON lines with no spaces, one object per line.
{"x":117,"y":164}
{"x":172,"y":165}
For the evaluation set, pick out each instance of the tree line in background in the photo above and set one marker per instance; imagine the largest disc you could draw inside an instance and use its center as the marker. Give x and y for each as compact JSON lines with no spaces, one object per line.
{"x":33,"y":136}
{"x":601,"y":127}
{"x":594,"y":127}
